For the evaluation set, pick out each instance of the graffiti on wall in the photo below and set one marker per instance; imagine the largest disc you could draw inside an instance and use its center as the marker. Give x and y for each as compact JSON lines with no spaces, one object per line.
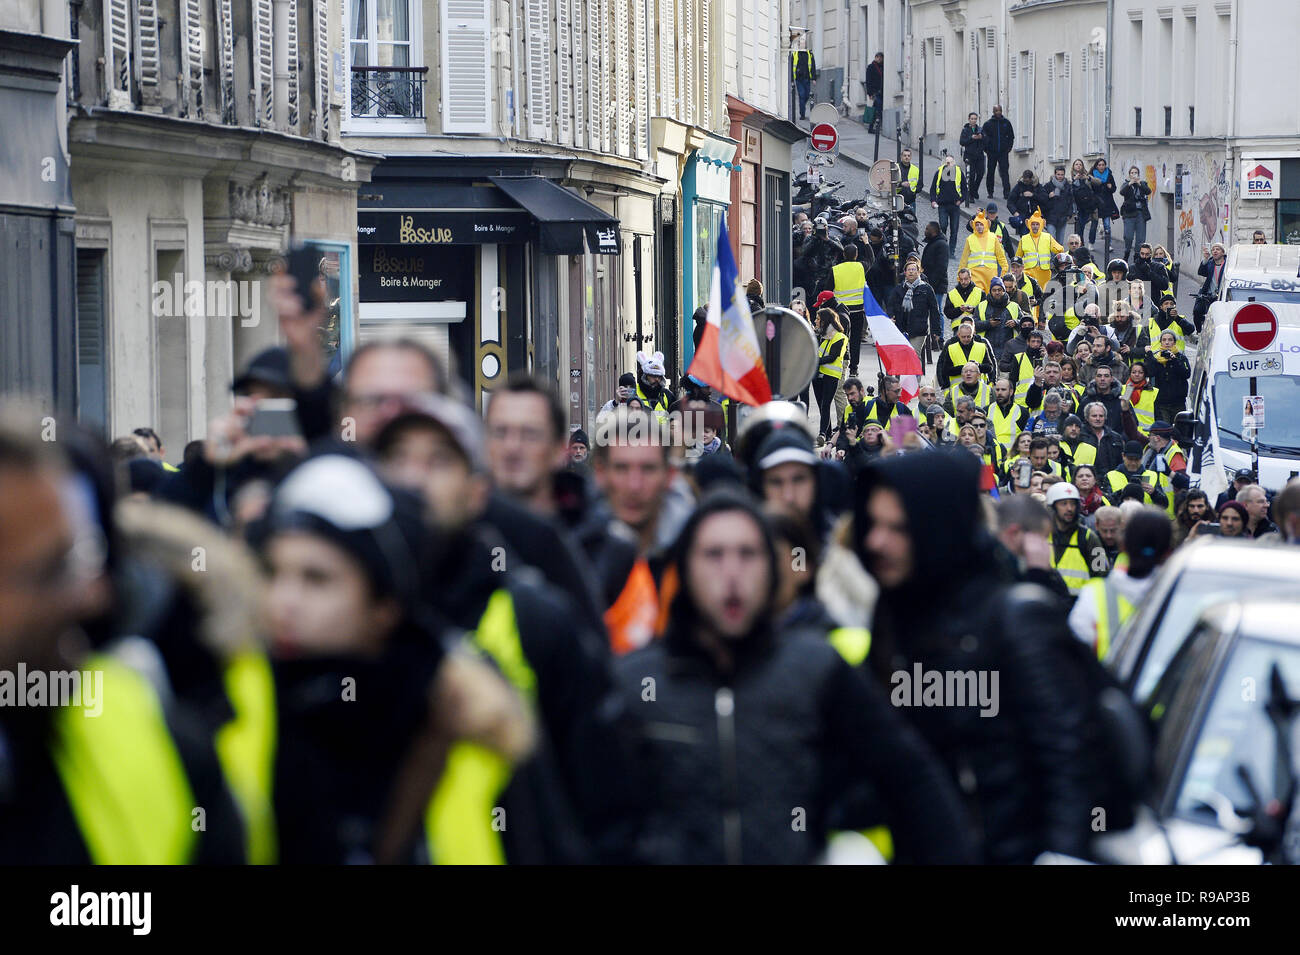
{"x":1206,"y":196}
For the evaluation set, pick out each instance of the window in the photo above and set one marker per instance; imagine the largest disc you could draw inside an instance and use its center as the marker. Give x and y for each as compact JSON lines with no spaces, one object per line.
{"x":1059,"y":96}
{"x":1191,"y":120}
{"x":386,"y":81}
{"x":1288,"y":222}
{"x":1169,"y":120}
{"x":1137,"y":120}
{"x":92,"y":340}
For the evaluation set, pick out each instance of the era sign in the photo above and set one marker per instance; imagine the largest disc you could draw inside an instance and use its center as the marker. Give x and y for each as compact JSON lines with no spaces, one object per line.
{"x":1261,"y":179}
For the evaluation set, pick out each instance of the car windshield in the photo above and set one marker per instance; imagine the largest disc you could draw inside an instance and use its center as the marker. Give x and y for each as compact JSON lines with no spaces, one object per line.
{"x":1262,"y":295}
{"x":1194,"y":591}
{"x":1281,"y":393}
{"x":1237,"y":731}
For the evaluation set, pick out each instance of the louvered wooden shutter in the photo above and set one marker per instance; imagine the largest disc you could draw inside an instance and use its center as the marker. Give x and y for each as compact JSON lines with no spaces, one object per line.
{"x":117,"y":53}
{"x":320,"y":11}
{"x":466,"y":66}
{"x":92,"y":371}
{"x":263,"y":63}
{"x":1051,"y":108}
{"x":578,"y":41}
{"x":146,"y":48}
{"x":622,"y":81}
{"x":641,"y":79}
{"x":293,"y":66}
{"x":1099,"y":92}
{"x":538,"y":41}
{"x":191,"y":88}
{"x":667,"y":58}
{"x":972,"y":71}
{"x":690,"y":57}
{"x":226,"y":29}
{"x":706,"y":92}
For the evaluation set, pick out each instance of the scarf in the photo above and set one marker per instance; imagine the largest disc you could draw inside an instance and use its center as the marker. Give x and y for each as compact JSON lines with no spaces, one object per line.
{"x":907,"y":295}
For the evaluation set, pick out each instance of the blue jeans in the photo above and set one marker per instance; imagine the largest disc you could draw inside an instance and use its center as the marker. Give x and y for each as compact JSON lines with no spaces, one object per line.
{"x":1092,"y":227}
{"x":804,"y":88}
{"x":1059,"y":230}
{"x":1135,"y":233}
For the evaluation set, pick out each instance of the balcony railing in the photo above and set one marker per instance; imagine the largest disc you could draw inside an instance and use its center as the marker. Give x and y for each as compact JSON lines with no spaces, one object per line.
{"x":383,"y":92}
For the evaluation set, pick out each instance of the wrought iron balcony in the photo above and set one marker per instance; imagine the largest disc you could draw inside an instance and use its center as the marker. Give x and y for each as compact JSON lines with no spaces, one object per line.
{"x":381,"y":92}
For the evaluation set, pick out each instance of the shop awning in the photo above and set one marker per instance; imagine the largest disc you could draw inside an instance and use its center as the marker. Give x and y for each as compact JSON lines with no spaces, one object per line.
{"x":562,"y":217}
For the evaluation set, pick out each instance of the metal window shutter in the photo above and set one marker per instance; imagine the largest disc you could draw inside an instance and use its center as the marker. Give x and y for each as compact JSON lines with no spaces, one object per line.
{"x":1013,"y":92}
{"x":1030,"y":113}
{"x":667,"y":58}
{"x":146,"y":48}
{"x":466,"y":66}
{"x":564,"y":71}
{"x":706,"y":94}
{"x":263,"y":62}
{"x":538,"y":42}
{"x":1067,"y":95}
{"x":622,"y":81}
{"x":939,"y":84}
{"x":595,"y":104}
{"x":322,"y":58}
{"x":577,"y":39}
{"x":293,"y":66}
{"x":642,"y":45}
{"x":191,"y":87}
{"x":226,"y":29}
{"x":117,"y":53}
{"x":1051,"y":108}
{"x":690,"y":94}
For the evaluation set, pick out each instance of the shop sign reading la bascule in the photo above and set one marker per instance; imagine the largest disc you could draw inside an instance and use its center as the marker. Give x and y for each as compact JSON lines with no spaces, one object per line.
{"x":443,"y":227}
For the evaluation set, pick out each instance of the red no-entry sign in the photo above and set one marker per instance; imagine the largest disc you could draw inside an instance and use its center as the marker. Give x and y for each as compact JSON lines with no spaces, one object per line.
{"x":1254,"y":327}
{"x":824,"y":137}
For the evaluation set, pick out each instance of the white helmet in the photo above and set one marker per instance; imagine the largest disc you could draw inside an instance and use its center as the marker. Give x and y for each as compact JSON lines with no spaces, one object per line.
{"x":1062,"y":491}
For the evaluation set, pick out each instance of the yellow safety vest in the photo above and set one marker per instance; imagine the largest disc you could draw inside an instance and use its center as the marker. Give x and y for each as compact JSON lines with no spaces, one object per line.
{"x":246,"y":750}
{"x":853,"y":643}
{"x":794,"y":61}
{"x":850,"y":280}
{"x":1071,"y":565}
{"x":874,"y":413}
{"x":459,"y":821}
{"x":660,"y":407}
{"x":973,"y":298}
{"x":958,"y":357}
{"x":1119,"y":480}
{"x":1113,"y":611}
{"x":1145,"y":409}
{"x":1155,"y":330}
{"x":1024,"y":378}
{"x":1083,"y":453}
{"x":1036,"y":254}
{"x":913,"y":176}
{"x":1004,"y":425}
{"x":983,"y":394}
{"x":1012,"y":309}
{"x":998,"y":459}
{"x":833,"y":369}
{"x":122,"y":774}
{"x":982,"y":252}
{"x":934,"y":184}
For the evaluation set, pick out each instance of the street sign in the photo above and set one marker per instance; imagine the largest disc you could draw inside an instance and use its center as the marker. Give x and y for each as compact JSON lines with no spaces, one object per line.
{"x":789,"y":350}
{"x":1254,"y":327}
{"x":1255,"y":365}
{"x":823,"y":113}
{"x":824,"y":138}
{"x":818,"y":159}
{"x":882,"y":176}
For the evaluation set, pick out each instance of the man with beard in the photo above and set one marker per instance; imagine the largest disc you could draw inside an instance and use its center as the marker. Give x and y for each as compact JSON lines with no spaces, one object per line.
{"x":741,"y":724}
{"x":1024,"y":768}
{"x":1077,"y":553}
{"x":962,"y":299}
{"x":997,"y":315}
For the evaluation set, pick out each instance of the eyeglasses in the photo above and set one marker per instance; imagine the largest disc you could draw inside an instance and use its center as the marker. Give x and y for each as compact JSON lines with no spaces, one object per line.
{"x":978,"y":425}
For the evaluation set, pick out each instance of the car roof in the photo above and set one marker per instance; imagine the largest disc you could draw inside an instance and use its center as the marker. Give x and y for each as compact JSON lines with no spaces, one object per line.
{"x":1260,"y":619}
{"x":1272,"y":260}
{"x":1208,"y":554}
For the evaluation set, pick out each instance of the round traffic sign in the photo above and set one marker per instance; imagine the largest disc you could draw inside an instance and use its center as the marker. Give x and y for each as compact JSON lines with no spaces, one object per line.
{"x":824,"y":137}
{"x":1254,"y":327}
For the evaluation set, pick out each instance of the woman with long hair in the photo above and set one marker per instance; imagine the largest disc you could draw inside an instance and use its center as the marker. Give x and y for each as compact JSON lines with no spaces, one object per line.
{"x":1090,"y":496}
{"x":1103,"y":186}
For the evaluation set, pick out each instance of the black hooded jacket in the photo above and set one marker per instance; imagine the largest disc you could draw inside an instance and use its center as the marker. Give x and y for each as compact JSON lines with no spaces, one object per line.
{"x":1022,"y":771}
{"x":727,"y":754}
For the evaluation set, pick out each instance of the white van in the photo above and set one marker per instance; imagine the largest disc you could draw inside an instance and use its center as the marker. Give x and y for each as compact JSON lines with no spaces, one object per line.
{"x":1266,"y":273}
{"x":1215,"y":448}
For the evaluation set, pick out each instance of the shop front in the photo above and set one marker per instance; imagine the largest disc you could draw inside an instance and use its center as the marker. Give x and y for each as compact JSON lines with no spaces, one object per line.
{"x":1270,"y":199}
{"x":467,"y":257}
{"x":706,"y":198}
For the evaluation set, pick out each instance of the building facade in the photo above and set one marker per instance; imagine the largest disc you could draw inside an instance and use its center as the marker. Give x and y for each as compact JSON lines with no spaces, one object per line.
{"x":1211,"y":128}
{"x":203,"y":141}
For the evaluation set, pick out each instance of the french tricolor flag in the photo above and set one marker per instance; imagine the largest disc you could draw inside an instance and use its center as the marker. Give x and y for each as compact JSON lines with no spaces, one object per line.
{"x":897,"y":356}
{"x":729,"y":358}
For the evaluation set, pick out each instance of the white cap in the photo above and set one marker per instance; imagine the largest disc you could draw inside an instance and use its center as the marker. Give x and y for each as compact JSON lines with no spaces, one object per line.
{"x":1062,"y":491}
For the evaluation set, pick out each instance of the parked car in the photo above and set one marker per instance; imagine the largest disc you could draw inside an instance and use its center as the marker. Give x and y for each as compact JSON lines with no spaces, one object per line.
{"x":1223,"y":715}
{"x":1200,"y":573}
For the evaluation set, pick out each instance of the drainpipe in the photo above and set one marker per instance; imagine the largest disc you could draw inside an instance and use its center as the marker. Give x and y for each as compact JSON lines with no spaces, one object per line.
{"x":1110,"y":60}
{"x":1229,"y":172}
